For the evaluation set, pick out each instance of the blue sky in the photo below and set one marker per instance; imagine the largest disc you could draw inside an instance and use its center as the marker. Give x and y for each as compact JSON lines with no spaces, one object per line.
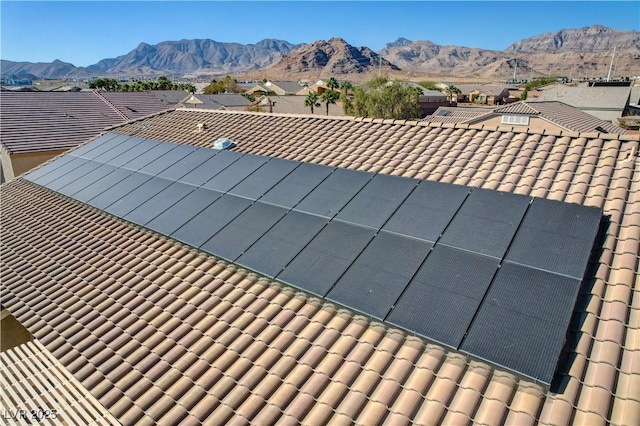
{"x":83,"y":32}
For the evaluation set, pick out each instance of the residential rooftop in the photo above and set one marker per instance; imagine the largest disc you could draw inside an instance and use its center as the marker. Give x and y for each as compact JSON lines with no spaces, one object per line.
{"x":159,"y":332}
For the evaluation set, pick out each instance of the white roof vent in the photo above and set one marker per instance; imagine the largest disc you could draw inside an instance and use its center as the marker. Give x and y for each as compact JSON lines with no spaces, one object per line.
{"x":223,"y":143}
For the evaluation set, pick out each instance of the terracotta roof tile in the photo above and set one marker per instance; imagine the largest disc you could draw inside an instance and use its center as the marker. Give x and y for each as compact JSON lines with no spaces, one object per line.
{"x":222,"y":343}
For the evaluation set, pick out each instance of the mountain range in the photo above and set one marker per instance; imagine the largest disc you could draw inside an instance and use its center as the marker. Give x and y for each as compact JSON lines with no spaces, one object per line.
{"x":582,"y":52}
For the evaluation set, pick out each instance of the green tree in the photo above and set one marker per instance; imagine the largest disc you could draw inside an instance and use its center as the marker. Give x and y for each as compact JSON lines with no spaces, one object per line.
{"x":451,"y":90}
{"x":311,"y":100}
{"x":346,"y":87}
{"x":332,"y":83}
{"x":163,"y":83}
{"x":382,"y":98}
{"x":329,"y":97}
{"x":524,"y":94}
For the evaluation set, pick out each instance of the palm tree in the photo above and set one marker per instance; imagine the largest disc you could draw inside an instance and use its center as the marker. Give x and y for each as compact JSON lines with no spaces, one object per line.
{"x":332,"y":83}
{"x":329,"y":97}
{"x":311,"y":100}
{"x":451,"y":90}
{"x":345,"y":86}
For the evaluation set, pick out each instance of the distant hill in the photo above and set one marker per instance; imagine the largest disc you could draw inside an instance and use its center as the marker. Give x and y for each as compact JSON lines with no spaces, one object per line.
{"x":196,"y":56}
{"x":580,"y":52}
{"x":585,"y":52}
{"x":328,"y":58}
{"x":588,"y":39}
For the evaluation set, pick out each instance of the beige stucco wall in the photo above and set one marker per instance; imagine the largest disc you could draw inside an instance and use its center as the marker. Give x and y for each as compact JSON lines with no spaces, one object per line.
{"x":22,"y":163}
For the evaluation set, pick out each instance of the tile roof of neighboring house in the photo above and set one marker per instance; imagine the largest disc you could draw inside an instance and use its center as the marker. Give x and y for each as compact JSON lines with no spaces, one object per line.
{"x":561,"y":114}
{"x":35,"y":386}
{"x":42,"y":121}
{"x":222,"y":101}
{"x":456,"y":114}
{"x":161,"y":333}
{"x":487,"y":89}
{"x":134,"y":105}
{"x":45,"y":121}
{"x":171,"y":97}
{"x":295,"y":105}
{"x":597,"y":97}
{"x":289,"y":87}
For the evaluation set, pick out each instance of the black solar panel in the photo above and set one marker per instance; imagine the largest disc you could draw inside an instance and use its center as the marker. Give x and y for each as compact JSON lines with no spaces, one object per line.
{"x":326,"y":257}
{"x":296,"y":185}
{"x":101,"y":179}
{"x":175,"y":155}
{"x":110,"y":142}
{"x":380,"y":274}
{"x":158,"y":203}
{"x":479,"y":235}
{"x":131,"y":200}
{"x":119,"y":190}
{"x":377,"y":201}
{"x":62,"y":169}
{"x":332,"y":194}
{"x":264,"y":178}
{"x":231,"y":176}
{"x":39,"y":175}
{"x":155,"y":151}
{"x":243,"y":231}
{"x":187,"y":164}
{"x":428,"y":210}
{"x":211,"y":220}
{"x":282,"y":243}
{"x":361,"y":240}
{"x":557,"y":237}
{"x":117,"y":148}
{"x":528,"y":345}
{"x":77,"y":175}
{"x":181,"y":212}
{"x":210,"y":168}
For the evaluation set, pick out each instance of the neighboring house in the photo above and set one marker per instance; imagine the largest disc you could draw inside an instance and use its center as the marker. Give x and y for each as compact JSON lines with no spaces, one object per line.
{"x":431,"y":100}
{"x":279,"y":88}
{"x":157,"y":331}
{"x":605,"y":103}
{"x":484,"y":94}
{"x":222,"y":101}
{"x":541,"y":116}
{"x":173,"y":98}
{"x":37,"y":126}
{"x":293,"y":105}
{"x":456,"y":114}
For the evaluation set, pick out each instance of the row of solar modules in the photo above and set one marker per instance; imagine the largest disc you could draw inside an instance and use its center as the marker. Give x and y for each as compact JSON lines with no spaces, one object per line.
{"x":489,"y":273}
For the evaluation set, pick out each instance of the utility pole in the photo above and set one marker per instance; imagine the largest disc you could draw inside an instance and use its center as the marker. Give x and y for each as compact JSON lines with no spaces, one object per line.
{"x":611,"y":64}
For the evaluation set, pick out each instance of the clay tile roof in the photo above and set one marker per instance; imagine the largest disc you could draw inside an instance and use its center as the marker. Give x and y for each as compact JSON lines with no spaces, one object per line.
{"x":563,"y":115}
{"x":160,"y":333}
{"x":46,"y":121}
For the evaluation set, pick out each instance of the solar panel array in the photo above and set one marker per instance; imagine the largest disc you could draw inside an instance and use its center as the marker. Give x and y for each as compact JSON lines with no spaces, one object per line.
{"x":489,"y":273}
